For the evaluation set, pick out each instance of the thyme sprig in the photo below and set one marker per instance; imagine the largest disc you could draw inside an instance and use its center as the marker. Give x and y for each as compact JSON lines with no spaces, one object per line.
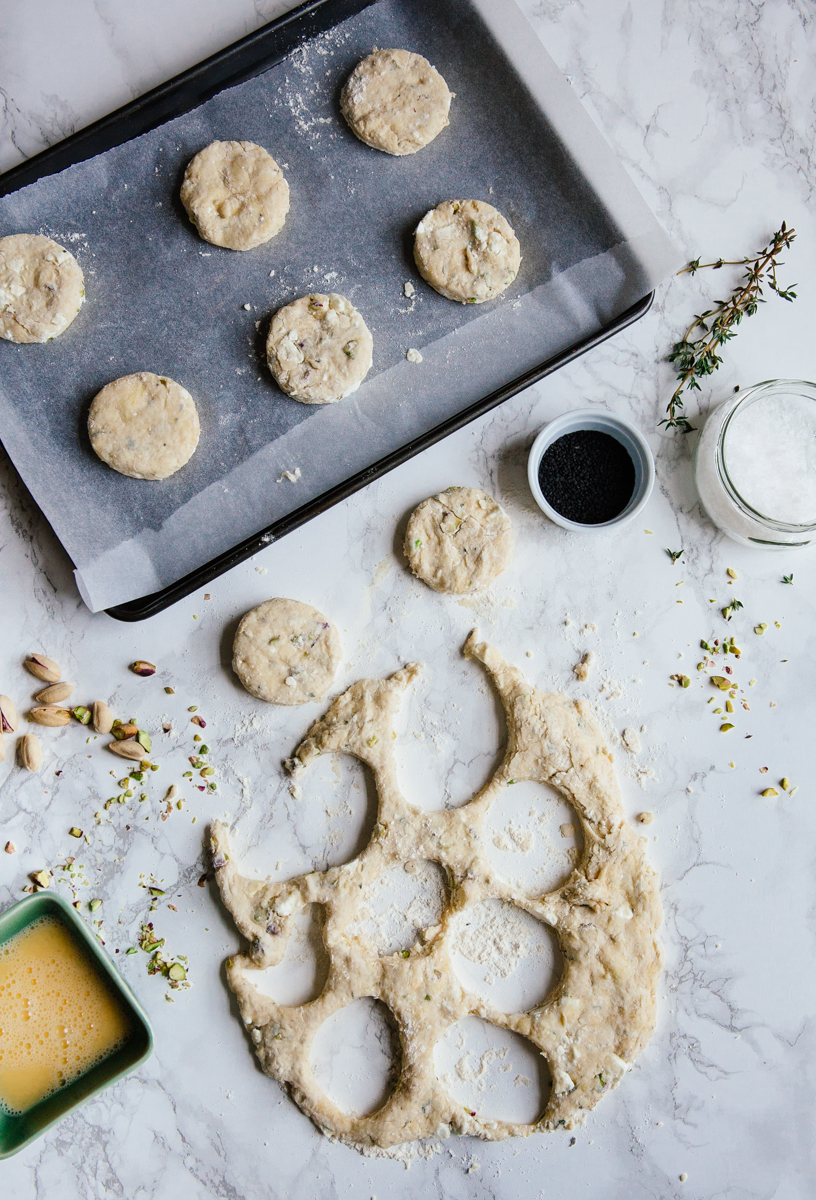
{"x":696,"y":356}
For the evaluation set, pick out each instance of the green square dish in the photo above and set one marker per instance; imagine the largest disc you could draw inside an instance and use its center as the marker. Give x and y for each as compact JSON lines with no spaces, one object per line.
{"x":16,"y":1132}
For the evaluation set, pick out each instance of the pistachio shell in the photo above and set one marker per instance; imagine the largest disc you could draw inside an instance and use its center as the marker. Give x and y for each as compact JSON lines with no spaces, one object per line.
{"x":54,"y":693}
{"x":129,"y":749}
{"x":8,"y":715}
{"x":102,"y":717}
{"x":43,"y":667}
{"x":50,"y":715}
{"x":29,"y":752}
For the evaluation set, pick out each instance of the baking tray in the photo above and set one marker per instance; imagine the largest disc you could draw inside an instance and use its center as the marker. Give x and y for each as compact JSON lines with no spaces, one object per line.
{"x":596,"y":235}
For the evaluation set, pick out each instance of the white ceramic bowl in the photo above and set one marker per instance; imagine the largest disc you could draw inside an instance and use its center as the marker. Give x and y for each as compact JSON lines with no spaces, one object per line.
{"x":624,"y":432}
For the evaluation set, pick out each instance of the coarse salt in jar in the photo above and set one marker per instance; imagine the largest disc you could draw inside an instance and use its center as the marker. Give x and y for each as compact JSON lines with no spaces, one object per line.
{"x":755,"y":464}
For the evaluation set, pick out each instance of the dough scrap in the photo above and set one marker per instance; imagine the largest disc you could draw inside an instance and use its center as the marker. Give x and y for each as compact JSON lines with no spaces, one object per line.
{"x":235,"y":195}
{"x":319,"y":348}
{"x":144,"y":425}
{"x":466,"y":251}
{"x":395,"y":101}
{"x":459,"y":540}
{"x":42,"y":288}
{"x":606,"y":915}
{"x":286,"y":652}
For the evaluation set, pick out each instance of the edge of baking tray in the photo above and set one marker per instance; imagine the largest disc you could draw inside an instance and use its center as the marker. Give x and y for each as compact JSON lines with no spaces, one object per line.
{"x":156,"y":602}
{"x":250,"y":56}
{"x":242,"y":60}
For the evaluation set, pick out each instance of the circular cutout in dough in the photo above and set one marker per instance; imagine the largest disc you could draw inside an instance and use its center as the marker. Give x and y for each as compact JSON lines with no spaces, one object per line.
{"x":466,"y":251}
{"x":286,"y":652}
{"x":235,"y":195}
{"x":145,"y":425}
{"x":319,"y":348}
{"x":395,"y":101}
{"x":41,"y":288}
{"x":459,"y":540}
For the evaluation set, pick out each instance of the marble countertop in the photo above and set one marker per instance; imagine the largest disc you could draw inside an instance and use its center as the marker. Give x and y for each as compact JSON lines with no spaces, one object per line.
{"x":711,"y":109}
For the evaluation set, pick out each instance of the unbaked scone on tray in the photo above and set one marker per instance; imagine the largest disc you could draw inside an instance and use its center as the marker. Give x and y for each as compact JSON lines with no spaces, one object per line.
{"x":42,"y":288}
{"x":319,"y":348}
{"x":144,"y":425}
{"x":395,"y":101}
{"x":466,"y":251}
{"x":235,"y":195}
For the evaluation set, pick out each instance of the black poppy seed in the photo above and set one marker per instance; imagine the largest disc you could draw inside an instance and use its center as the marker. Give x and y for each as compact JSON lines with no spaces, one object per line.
{"x":587,"y":476}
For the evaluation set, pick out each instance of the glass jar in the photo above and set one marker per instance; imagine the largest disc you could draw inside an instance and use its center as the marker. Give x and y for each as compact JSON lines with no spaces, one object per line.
{"x":755,"y":464}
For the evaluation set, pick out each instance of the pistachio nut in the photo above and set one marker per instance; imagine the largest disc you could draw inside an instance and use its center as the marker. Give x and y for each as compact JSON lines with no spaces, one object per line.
{"x":102,"y":717}
{"x":81,"y":714}
{"x":8,"y":715}
{"x":44,"y":668}
{"x":124,"y":729}
{"x":129,"y":749}
{"x":29,"y":752}
{"x":54,"y":693}
{"x":50,"y":715}
{"x":140,"y":667}
{"x":42,"y":879}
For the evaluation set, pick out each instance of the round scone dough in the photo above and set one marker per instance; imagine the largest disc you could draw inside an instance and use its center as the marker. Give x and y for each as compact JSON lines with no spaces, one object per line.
{"x":459,"y":540}
{"x":145,"y":425}
{"x":286,"y":652}
{"x":235,"y":195}
{"x":319,"y":348}
{"x":467,"y":251}
{"x":395,"y":101}
{"x":41,"y":288}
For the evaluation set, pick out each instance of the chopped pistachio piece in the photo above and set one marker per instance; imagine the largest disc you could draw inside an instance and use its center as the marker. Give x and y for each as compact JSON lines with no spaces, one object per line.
{"x":95,"y":905}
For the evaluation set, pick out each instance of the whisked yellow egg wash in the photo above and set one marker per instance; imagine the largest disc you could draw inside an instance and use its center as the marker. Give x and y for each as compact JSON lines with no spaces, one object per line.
{"x":58,"y":1015}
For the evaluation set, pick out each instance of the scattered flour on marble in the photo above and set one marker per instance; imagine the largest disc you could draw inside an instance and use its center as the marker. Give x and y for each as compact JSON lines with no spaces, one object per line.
{"x":497,"y":937}
{"x":382,"y":571}
{"x":249,"y":727}
{"x":400,"y":905}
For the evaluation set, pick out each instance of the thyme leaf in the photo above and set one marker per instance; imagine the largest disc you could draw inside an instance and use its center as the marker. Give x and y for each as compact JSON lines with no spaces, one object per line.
{"x":696,"y":354}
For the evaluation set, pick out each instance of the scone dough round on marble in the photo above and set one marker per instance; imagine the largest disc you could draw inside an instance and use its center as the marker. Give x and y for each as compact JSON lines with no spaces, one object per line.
{"x":286,"y":652}
{"x":466,"y":251}
{"x":41,"y":288}
{"x":144,"y":425}
{"x":319,"y":348}
{"x":235,"y":195}
{"x":459,"y":540}
{"x":395,"y":101}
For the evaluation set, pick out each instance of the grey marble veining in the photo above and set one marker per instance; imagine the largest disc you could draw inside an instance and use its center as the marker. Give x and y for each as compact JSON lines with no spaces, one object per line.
{"x":710,"y":106}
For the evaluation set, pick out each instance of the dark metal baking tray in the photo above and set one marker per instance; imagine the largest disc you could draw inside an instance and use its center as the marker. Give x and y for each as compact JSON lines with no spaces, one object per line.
{"x":245,"y":59}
